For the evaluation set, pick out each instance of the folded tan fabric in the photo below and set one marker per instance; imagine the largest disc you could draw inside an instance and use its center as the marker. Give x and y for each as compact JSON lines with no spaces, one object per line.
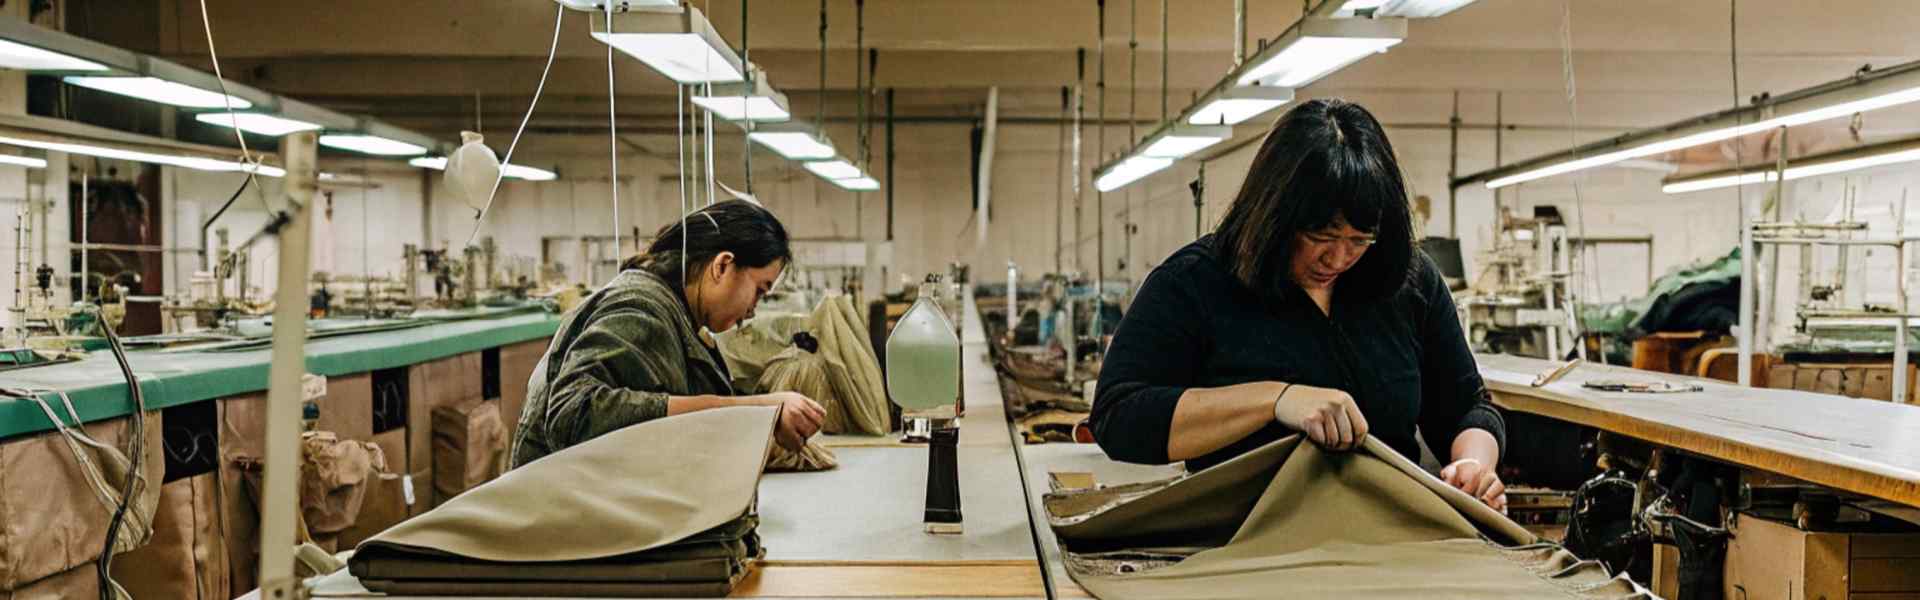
{"x":572,"y":522}
{"x":1291,"y":521}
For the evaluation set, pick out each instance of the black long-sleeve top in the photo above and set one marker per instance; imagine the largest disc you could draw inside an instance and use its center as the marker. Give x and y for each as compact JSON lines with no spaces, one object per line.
{"x":1403,"y":359}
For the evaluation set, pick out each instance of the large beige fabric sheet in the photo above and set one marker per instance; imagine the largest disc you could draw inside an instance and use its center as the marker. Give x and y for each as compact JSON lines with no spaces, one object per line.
{"x":631,"y":490}
{"x":1292,"y":521}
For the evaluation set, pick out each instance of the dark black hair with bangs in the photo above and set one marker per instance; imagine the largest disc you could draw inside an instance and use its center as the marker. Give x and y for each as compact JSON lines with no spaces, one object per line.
{"x":1325,"y":161}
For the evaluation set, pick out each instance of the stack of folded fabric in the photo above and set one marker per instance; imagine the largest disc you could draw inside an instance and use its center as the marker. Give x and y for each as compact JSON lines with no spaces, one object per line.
{"x":664,"y":508}
{"x":1288,"y":520}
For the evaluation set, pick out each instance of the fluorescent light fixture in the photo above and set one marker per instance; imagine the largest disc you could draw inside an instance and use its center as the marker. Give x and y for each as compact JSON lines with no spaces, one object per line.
{"x":527,"y":173}
{"x":757,"y":102}
{"x":679,"y":43}
{"x":1237,"y":104}
{"x":1414,"y":9}
{"x":1813,"y":115}
{"x":834,"y":169}
{"x":1175,"y":140}
{"x":154,"y":89}
{"x":23,"y":161}
{"x":260,"y":123}
{"x":439,"y":163}
{"x":1839,"y":162}
{"x":749,"y":108}
{"x":1127,"y":171}
{"x":1317,"y":47}
{"x":858,"y":184}
{"x":599,"y":5}
{"x":370,"y":144}
{"x":794,"y":140}
{"x":15,"y":55}
{"x":190,"y":162}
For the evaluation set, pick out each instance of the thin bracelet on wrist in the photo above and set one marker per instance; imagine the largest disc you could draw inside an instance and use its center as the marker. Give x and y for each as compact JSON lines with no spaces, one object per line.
{"x":1276,"y":400}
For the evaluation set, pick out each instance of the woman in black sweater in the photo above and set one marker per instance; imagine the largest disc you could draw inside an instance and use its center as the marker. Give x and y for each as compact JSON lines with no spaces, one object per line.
{"x":1308,"y":310}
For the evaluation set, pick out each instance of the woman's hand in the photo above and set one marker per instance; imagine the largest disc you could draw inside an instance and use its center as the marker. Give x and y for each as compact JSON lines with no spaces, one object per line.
{"x":1478,"y":480}
{"x":1329,"y":417}
{"x":800,"y":418}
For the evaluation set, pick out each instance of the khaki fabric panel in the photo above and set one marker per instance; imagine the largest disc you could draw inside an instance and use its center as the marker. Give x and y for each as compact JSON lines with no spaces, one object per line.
{"x":517,"y":362}
{"x":186,"y":558}
{"x":243,"y":422}
{"x":347,"y":408}
{"x":1357,"y":525}
{"x":853,"y":368}
{"x":82,"y":581}
{"x":41,"y":538}
{"x":813,"y":457}
{"x":209,"y":540}
{"x":597,"y":499}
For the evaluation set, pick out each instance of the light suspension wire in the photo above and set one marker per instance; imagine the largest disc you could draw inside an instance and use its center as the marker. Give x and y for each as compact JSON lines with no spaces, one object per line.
{"x":246,"y":156}
{"x":613,"y":138}
{"x":708,"y":116}
{"x":680,"y":125}
{"x":480,"y":219}
{"x":1589,"y":264}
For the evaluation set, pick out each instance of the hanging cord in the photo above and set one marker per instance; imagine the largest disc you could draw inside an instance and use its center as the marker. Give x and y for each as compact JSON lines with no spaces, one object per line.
{"x":76,"y":437}
{"x":613,"y":138}
{"x":136,"y":482}
{"x":246,"y":156}
{"x":480,"y":218}
{"x":679,"y":123}
{"x":1590,"y":264}
{"x":746,"y":134}
{"x":708,"y":117}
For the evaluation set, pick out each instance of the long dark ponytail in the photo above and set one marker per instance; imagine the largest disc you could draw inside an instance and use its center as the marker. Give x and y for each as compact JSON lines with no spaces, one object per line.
{"x":754,"y":236}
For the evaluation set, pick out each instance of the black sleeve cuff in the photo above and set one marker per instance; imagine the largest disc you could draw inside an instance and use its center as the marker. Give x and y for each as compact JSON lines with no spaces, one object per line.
{"x":1483,"y":416}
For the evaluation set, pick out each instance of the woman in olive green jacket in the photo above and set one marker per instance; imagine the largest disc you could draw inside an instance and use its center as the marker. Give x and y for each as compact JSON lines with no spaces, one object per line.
{"x":633,"y":351}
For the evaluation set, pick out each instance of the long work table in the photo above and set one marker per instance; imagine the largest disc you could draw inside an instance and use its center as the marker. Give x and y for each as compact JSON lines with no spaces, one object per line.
{"x":857,"y":531}
{"x":171,"y":378}
{"x":1859,"y":446}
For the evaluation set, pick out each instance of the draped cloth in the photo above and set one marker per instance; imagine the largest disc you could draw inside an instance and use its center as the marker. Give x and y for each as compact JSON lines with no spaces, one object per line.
{"x":662,"y":508}
{"x":1289,"y":520}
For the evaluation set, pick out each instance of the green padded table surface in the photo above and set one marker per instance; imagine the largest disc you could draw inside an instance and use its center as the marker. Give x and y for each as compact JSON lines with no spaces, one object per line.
{"x":178,"y":377}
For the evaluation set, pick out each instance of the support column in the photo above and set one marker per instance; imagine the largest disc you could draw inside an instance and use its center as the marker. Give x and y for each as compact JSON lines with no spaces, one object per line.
{"x":284,"y":392}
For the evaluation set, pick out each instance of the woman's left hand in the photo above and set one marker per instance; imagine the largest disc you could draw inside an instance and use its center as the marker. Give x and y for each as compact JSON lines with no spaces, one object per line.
{"x":1478,"y":480}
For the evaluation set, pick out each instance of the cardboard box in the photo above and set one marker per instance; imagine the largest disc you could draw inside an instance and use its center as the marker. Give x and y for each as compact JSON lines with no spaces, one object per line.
{"x":449,"y":381}
{"x":1771,"y":560}
{"x":186,"y":558}
{"x":50,"y":521}
{"x":517,"y":362}
{"x":347,"y":409}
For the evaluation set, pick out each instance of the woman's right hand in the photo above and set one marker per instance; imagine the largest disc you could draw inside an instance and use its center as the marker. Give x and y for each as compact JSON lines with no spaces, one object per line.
{"x":800,"y":418}
{"x":1327,"y":416}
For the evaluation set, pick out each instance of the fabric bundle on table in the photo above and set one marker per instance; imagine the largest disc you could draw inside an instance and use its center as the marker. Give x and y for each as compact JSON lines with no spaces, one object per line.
{"x":800,"y":369}
{"x":1289,"y":520}
{"x":593,"y":521}
{"x":843,"y":374}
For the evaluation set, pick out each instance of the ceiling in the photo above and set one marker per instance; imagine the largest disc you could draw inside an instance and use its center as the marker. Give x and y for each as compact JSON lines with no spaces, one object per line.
{"x":441,"y":65}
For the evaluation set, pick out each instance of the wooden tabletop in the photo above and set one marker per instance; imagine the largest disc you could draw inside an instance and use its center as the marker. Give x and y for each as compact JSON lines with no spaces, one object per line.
{"x":1866,"y":447}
